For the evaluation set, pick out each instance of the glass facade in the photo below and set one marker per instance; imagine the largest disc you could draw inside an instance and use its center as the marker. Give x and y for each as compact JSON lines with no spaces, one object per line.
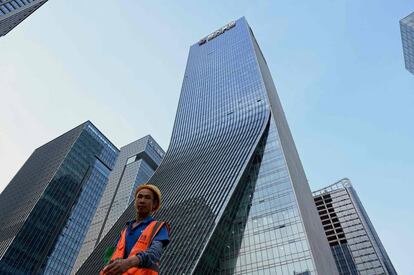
{"x":14,"y":12}
{"x":234,"y":190}
{"x":407,"y":37}
{"x":354,"y":242}
{"x":136,"y":163}
{"x":265,"y":235}
{"x":49,"y":204}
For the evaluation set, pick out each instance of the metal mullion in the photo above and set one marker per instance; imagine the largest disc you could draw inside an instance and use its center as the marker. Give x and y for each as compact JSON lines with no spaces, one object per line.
{"x":236,"y":143}
{"x":254,"y":119}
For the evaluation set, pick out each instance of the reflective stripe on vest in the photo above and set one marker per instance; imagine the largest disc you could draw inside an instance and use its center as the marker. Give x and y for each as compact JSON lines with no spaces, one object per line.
{"x":142,"y":244}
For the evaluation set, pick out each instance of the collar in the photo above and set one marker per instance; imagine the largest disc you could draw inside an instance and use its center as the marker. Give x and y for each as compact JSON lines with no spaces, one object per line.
{"x":146,"y":220}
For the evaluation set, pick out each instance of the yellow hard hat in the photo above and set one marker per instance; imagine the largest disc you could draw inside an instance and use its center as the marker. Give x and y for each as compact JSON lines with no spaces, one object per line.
{"x":153,"y":188}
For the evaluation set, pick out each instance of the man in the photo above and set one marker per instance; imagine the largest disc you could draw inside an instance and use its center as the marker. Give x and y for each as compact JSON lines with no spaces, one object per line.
{"x":141,"y":244}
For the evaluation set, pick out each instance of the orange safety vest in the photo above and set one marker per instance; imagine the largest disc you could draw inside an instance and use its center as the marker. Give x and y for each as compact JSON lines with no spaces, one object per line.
{"x":143,"y":243}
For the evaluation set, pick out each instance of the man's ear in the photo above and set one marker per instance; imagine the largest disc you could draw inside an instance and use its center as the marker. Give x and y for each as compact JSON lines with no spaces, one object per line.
{"x":155,"y":205}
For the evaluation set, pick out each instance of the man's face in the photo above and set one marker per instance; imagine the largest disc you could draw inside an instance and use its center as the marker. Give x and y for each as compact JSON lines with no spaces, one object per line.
{"x":144,"y":202}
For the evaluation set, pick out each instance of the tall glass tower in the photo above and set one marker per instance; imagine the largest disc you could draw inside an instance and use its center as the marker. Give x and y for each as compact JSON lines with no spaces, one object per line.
{"x":136,"y":163}
{"x":354,"y":242}
{"x":13,"y":12}
{"x":234,"y":188}
{"x":47,"y":207}
{"x":407,"y":37}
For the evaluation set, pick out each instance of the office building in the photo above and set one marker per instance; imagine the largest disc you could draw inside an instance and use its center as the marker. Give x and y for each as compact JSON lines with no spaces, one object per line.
{"x":13,"y":12}
{"x":234,"y":188}
{"x":407,"y":37}
{"x":136,"y":163}
{"x":354,"y":242}
{"x":48,"y":205}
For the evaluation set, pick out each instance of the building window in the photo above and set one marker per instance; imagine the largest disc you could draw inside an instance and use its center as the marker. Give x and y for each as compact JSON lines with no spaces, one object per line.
{"x":131,"y":159}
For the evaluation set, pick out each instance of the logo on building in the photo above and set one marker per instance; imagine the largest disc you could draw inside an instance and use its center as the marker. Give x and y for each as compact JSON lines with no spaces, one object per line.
{"x":217,"y":33}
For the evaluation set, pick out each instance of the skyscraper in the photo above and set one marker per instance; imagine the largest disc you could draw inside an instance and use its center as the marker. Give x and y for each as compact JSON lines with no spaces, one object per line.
{"x":49,"y":204}
{"x":234,"y":188}
{"x":407,"y":37}
{"x":136,"y":163}
{"x":354,"y":242}
{"x":13,"y":12}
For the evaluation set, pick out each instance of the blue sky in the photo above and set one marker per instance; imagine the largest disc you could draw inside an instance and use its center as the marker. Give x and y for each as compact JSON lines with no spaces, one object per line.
{"x":337,"y":65}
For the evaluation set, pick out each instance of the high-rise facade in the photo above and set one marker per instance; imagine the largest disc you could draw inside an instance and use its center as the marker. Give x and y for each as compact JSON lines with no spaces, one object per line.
{"x":354,"y":242}
{"x":13,"y":12}
{"x":48,"y":205}
{"x":407,"y":37}
{"x":234,"y":189}
{"x":136,"y":163}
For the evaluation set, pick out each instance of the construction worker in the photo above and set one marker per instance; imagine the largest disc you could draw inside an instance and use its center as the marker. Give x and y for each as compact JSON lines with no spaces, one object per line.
{"x":142,"y":241}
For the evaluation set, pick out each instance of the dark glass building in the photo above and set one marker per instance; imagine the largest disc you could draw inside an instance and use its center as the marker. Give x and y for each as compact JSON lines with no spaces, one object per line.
{"x":48,"y":205}
{"x":13,"y":12}
{"x":354,"y":242}
{"x":407,"y":37}
{"x":136,"y":163}
{"x":234,"y":188}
